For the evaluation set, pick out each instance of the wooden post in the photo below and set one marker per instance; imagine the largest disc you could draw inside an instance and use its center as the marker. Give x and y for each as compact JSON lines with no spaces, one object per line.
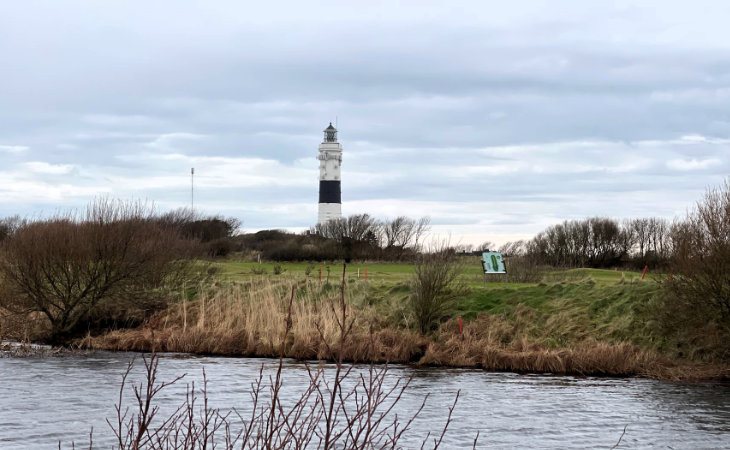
{"x":506,"y":276}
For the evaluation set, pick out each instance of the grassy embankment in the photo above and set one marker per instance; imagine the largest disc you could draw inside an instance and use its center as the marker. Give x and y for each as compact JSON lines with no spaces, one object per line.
{"x":582,"y":321}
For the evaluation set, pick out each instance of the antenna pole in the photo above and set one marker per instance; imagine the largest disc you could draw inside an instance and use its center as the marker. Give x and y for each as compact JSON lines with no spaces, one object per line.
{"x":192,"y":186}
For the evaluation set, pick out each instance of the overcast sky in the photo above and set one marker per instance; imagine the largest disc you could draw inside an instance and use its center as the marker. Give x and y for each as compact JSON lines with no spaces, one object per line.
{"x":496,"y":119}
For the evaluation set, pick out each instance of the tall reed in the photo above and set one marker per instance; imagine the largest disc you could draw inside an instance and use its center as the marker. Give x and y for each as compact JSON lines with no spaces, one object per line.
{"x":249,"y":319}
{"x":326,"y":415}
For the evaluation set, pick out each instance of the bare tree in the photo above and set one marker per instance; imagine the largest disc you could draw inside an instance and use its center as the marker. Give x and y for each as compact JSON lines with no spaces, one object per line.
{"x":594,"y":242}
{"x":658,"y":236}
{"x":396,"y":230}
{"x":355,"y":227}
{"x":403,"y":232}
{"x":422,"y":226}
{"x":513,"y":249}
{"x":627,"y":240}
{"x":486,"y":246}
{"x":359,"y":225}
{"x":640,"y":229}
{"x":362,"y":235}
{"x":604,"y":249}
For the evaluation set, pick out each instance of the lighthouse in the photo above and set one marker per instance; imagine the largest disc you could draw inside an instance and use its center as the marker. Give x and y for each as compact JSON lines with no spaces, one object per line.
{"x":330,"y":160}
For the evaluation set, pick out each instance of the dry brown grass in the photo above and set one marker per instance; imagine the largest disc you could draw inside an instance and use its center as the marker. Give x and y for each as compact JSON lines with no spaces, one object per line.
{"x":249,"y":319}
{"x":491,"y":342}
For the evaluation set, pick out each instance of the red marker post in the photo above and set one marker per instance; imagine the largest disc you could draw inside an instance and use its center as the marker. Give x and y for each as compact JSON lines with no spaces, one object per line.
{"x":644,"y":273}
{"x":320,"y":274}
{"x":461,"y":326}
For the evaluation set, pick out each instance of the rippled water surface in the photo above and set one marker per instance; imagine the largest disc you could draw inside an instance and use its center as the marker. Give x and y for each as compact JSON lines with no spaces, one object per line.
{"x":47,"y":400}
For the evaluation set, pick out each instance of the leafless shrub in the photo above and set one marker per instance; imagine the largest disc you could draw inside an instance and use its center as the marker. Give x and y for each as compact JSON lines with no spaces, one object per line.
{"x":521,"y":266}
{"x":435,"y":287}
{"x":114,"y":256}
{"x":697,"y":311}
{"x":522,"y":269}
{"x":214,"y":232}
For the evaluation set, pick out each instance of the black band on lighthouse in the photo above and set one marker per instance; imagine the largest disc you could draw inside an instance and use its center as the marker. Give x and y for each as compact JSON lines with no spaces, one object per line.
{"x":329,"y":191}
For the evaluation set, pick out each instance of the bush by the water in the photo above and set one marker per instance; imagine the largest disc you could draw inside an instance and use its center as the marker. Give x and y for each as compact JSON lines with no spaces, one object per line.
{"x":695,"y":313}
{"x":115,"y":262}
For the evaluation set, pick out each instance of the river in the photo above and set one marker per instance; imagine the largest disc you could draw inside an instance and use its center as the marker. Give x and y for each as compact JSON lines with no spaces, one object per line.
{"x":47,"y":400}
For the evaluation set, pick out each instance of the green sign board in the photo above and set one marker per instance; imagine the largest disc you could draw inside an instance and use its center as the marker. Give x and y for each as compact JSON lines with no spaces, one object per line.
{"x":492,"y":262}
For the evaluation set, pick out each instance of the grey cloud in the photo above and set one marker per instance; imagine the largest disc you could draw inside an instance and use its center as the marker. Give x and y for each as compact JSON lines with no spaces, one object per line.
{"x":462,"y":105}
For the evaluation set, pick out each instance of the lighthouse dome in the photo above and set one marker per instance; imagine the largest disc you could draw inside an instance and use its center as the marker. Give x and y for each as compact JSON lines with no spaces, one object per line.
{"x":330,"y":134}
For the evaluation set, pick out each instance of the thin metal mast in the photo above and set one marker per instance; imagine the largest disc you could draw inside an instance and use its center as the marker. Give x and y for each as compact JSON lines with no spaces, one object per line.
{"x":192,"y":186}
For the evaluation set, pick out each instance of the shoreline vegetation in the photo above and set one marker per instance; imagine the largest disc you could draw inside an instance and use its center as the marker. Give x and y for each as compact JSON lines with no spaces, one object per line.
{"x":582,"y":322}
{"x":248,"y":319}
{"x":599,"y":296}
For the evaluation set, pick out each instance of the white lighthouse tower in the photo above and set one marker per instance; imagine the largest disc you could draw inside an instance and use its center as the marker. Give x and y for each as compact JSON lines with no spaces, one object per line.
{"x":330,"y":160}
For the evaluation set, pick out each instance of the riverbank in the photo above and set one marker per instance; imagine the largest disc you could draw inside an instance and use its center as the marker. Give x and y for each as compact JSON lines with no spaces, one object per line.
{"x":10,"y":349}
{"x":523,"y":329}
{"x":590,"y":358}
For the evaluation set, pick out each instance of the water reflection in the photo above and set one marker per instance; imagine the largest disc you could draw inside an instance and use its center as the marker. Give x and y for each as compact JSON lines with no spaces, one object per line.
{"x":685,"y":402}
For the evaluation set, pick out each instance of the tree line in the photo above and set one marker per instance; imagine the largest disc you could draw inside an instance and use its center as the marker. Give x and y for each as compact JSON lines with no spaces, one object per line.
{"x":359,"y":237}
{"x":601,"y":242}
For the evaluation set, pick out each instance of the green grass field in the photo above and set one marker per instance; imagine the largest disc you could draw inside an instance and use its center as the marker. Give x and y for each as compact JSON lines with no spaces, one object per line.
{"x":568,"y":305}
{"x":393,"y":272}
{"x":402,"y":272}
